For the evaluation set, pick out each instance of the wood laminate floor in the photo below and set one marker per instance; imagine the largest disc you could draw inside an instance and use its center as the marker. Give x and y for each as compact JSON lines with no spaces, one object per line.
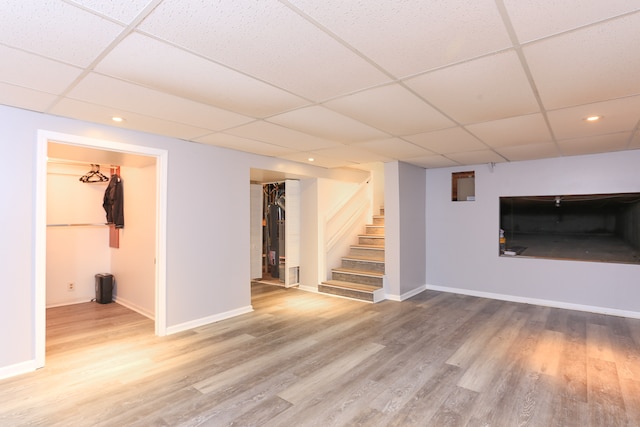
{"x":302,"y":359}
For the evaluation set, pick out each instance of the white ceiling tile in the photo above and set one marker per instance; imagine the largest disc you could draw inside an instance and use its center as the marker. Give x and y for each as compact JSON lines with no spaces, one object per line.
{"x":100,"y":114}
{"x":519,"y":130}
{"x":618,"y":115}
{"x":293,"y":77}
{"x":267,"y":40}
{"x":22,"y":97}
{"x":446,"y":141}
{"x":476,"y":157}
{"x":431,"y":162}
{"x":244,"y":144}
{"x":392,"y":109}
{"x":542,"y":18}
{"x":352,"y":154}
{"x":588,"y":65}
{"x":35,"y":71}
{"x":56,"y":30}
{"x":282,"y":136}
{"x":529,"y":151}
{"x":489,"y":88}
{"x":318,"y":160}
{"x":121,"y":10}
{"x":130,"y":97}
{"x":412,"y":36}
{"x":149,"y":62}
{"x":594,"y":144}
{"x":394,"y":148}
{"x":328,"y":124}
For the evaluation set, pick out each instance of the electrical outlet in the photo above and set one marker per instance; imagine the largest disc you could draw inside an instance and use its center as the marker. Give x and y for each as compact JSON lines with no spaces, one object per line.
{"x":71,"y":287}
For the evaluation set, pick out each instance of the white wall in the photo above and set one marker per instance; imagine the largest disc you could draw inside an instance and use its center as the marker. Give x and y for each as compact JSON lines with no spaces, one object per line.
{"x":343,"y":210}
{"x":462,"y":237}
{"x":256,"y":231}
{"x":404,"y":230}
{"x":133,"y":262}
{"x":292,"y":233}
{"x":330,"y":222}
{"x":310,"y":258}
{"x":17,"y":144}
{"x":74,"y":253}
{"x":412,"y":228}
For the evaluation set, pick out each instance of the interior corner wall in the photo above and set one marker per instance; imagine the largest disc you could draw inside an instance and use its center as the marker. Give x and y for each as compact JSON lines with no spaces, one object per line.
{"x":462,"y":237}
{"x":133,"y":262}
{"x":340,"y":219}
{"x":405,"y":248}
{"x":412,"y":228}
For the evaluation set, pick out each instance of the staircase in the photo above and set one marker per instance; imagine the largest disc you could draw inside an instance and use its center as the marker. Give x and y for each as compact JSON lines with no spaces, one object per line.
{"x":362,"y":272}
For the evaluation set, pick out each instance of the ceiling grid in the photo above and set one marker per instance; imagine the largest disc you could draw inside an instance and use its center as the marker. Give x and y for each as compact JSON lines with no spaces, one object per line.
{"x":434,"y":84}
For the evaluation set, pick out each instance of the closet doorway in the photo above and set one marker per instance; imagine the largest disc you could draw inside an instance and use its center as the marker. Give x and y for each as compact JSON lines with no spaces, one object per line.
{"x":275,"y":232}
{"x":143,"y":171}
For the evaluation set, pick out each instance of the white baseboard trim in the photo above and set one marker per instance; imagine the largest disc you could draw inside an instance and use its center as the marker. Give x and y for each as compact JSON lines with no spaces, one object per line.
{"x":207,"y":320}
{"x":406,"y":295}
{"x":536,"y":301}
{"x":131,"y":306}
{"x":306,"y":288}
{"x":70,"y":302}
{"x":18,"y":369}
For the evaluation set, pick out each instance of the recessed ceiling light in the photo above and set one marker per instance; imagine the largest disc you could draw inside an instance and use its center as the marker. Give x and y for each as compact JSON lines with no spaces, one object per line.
{"x":311,"y":159}
{"x":117,"y":119}
{"x":593,"y":118}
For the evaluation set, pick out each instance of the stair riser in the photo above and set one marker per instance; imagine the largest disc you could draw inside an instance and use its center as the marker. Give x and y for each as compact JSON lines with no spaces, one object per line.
{"x":378,"y":220}
{"x":363,"y":265}
{"x":369,"y":253}
{"x":372,"y":241}
{"x":374,"y":229}
{"x":355,"y":278}
{"x":350,"y":293}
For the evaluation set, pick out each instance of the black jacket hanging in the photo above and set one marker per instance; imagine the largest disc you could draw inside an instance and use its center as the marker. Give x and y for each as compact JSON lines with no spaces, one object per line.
{"x":113,"y":202}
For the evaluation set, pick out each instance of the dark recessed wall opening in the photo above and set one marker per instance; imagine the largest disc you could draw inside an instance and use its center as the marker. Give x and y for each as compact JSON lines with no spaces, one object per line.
{"x":592,"y":227}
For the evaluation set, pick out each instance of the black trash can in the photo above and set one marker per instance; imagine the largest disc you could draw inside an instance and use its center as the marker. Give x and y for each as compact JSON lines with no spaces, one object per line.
{"x":104,"y":288}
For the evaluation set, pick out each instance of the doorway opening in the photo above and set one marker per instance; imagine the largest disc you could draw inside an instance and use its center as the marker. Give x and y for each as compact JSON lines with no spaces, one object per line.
{"x":82,"y":145}
{"x":275,"y":232}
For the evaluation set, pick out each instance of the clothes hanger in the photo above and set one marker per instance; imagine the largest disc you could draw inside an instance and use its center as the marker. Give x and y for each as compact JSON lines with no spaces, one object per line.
{"x":94,"y":175}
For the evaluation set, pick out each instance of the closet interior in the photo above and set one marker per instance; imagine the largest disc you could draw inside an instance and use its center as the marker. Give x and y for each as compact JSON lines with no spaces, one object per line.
{"x":88,"y":199}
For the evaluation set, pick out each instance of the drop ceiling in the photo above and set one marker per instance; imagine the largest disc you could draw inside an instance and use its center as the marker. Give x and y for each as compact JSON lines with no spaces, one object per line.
{"x":432,"y":83}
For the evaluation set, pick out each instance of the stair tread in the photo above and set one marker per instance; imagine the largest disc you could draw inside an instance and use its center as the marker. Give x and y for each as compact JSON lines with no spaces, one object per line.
{"x":372,"y":235}
{"x":360,"y":272}
{"x":349,"y":285}
{"x":361,"y":258}
{"x":373,"y":247}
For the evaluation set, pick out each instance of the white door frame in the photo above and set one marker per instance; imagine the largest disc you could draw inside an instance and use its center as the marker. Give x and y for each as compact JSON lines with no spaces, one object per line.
{"x":40,"y":254}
